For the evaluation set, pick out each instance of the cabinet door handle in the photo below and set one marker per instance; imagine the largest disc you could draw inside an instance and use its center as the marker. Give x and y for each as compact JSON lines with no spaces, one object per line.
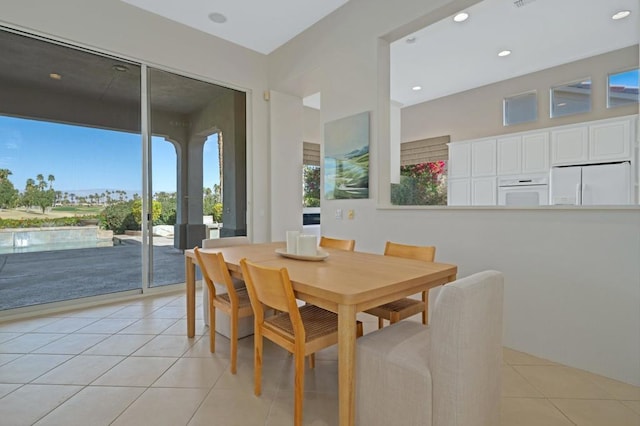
{"x":578,"y":194}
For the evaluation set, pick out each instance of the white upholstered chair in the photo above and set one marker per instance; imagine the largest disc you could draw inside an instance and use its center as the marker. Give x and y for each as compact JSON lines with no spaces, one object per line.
{"x":448,"y":373}
{"x":223,"y":323}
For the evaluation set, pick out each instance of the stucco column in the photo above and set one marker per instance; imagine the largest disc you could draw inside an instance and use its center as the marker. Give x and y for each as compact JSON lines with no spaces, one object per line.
{"x":196,"y":231}
{"x":234,"y":195}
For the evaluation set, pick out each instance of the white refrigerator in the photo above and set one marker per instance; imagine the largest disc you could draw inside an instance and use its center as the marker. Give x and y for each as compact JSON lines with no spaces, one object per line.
{"x":598,"y":184}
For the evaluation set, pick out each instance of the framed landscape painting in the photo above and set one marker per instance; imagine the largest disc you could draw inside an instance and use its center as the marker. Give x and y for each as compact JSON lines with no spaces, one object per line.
{"x":346,"y":157}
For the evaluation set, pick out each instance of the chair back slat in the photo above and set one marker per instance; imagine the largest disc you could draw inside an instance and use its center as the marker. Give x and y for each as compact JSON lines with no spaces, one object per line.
{"x":271,"y":287}
{"x":424,"y":253}
{"x":215,"y":271}
{"x":336,"y":243}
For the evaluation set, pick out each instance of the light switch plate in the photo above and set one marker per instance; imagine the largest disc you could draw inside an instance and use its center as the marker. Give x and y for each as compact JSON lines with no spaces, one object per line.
{"x":338,"y":214}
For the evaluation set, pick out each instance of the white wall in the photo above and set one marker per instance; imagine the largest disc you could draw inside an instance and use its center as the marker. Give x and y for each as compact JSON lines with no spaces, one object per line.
{"x":395,"y":138}
{"x":312,"y":130}
{"x":572,"y":275}
{"x":286,"y":129}
{"x":112,"y":26}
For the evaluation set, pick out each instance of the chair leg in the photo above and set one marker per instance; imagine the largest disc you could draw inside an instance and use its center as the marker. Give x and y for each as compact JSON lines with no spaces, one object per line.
{"x":299,"y":388}
{"x":234,"y":340}
{"x":380,"y":323}
{"x":257,"y":362}
{"x":312,"y":360}
{"x":212,"y":325}
{"x":359,"y":329}
{"x":425,"y":300}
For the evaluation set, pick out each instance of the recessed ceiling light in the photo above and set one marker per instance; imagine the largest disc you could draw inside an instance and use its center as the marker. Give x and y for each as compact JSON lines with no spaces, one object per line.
{"x":120,"y":68}
{"x":621,"y":15}
{"x":218,"y":18}
{"x":55,"y":76}
{"x":410,"y":40}
{"x":416,"y":88}
{"x":461,"y":17}
{"x":503,"y":53}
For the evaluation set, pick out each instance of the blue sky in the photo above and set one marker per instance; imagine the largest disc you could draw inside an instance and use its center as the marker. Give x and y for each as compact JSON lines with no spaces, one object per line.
{"x":84,"y":158}
{"x":629,"y":78}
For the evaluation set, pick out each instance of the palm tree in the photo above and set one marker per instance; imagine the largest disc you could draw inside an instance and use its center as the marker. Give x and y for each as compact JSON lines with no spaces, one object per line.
{"x":51,"y":179}
{"x":40,"y":179}
{"x":28,"y":196}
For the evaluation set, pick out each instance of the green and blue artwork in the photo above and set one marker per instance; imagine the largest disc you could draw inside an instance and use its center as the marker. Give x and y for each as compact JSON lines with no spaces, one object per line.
{"x":346,"y":161}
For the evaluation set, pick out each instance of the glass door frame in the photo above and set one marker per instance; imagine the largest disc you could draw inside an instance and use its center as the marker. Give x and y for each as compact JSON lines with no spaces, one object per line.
{"x":147,"y":194}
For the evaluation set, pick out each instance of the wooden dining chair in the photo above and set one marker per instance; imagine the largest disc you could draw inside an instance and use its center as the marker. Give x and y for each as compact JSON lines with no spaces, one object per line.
{"x":406,"y":307}
{"x":300,"y":330}
{"x":235,"y":302}
{"x":335,"y":243}
{"x":223,"y":328}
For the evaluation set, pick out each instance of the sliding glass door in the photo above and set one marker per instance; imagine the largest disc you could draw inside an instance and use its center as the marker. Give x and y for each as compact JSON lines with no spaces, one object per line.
{"x":101,"y":171}
{"x":70,"y":158}
{"x":188,"y":117}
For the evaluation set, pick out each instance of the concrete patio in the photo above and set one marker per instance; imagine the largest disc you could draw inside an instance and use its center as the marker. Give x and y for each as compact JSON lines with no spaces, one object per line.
{"x":28,"y":279}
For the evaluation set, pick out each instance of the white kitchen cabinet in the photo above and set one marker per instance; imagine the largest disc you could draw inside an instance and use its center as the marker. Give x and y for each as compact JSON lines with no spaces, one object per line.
{"x":610,"y":141}
{"x":594,"y":142}
{"x":523,"y":154}
{"x":535,"y":153}
{"x":459,"y":192}
{"x":459,"y":160}
{"x":569,"y":145}
{"x":484,"y":191}
{"x":483,"y":158}
{"x":509,"y":155}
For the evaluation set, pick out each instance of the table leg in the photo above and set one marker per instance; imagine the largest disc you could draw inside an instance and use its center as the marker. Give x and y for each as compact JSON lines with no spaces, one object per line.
{"x":346,"y":363}
{"x":190,"y":280}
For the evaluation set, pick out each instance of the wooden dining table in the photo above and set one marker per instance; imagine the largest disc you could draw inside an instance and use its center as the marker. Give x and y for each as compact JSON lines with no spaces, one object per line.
{"x":345,"y":282}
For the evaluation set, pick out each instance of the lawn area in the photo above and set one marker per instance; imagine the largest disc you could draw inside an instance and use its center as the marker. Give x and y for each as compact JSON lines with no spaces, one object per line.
{"x":22,"y":213}
{"x":78,"y":210}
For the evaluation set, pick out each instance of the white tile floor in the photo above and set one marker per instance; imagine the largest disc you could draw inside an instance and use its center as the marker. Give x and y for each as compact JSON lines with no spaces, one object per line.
{"x":131,"y":364}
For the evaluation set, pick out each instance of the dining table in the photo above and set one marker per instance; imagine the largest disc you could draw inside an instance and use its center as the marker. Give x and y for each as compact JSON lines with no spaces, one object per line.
{"x":344,"y":282}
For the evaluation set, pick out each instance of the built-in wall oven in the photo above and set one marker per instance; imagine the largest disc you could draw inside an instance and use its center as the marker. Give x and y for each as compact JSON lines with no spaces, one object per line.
{"x":530,"y":190}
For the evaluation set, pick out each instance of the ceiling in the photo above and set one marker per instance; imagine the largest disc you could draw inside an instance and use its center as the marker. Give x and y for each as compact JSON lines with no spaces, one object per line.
{"x":259,"y":25}
{"x":446,"y":57}
{"x":27,"y":62}
{"x":449,"y":57}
